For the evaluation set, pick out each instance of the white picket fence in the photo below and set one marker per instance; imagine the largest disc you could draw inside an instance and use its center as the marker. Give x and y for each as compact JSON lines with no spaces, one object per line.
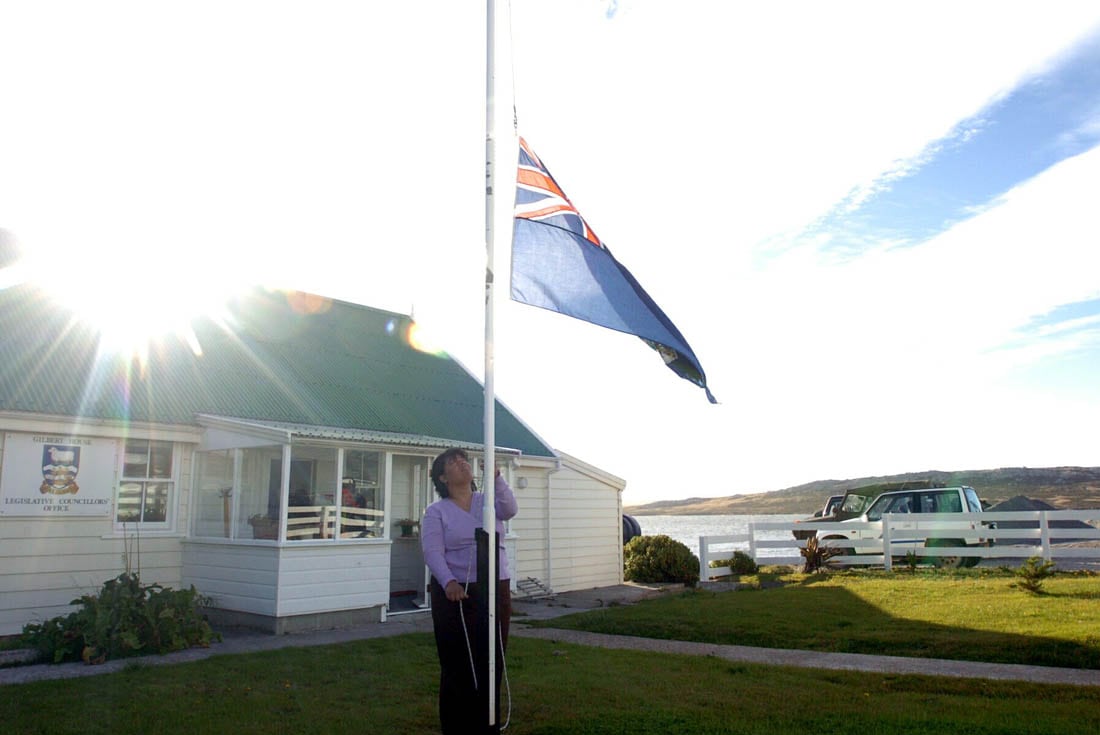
{"x":1008,"y":543}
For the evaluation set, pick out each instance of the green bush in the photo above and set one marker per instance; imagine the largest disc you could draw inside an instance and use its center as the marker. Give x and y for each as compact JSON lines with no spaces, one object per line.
{"x":126,"y":618}
{"x":1032,"y":572}
{"x":739,"y":563}
{"x":659,"y":559}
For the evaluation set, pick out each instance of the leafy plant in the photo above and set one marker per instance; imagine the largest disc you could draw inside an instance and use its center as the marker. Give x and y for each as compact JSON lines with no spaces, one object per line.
{"x":659,"y":559}
{"x":739,"y":563}
{"x":1032,"y":572}
{"x":911,"y":560}
{"x":126,"y":618}
{"x":816,"y":555}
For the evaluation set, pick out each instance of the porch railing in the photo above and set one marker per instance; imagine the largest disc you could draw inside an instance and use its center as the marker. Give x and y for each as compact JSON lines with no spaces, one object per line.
{"x":319,"y":521}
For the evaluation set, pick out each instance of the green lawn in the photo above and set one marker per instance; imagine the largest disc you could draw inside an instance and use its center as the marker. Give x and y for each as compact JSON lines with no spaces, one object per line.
{"x":390,"y":684}
{"x":971,"y":615}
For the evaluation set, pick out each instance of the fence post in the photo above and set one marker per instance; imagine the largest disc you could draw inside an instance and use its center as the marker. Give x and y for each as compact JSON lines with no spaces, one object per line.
{"x":703,"y":565}
{"x":887,"y":557}
{"x":752,"y":540}
{"x":1044,"y":535}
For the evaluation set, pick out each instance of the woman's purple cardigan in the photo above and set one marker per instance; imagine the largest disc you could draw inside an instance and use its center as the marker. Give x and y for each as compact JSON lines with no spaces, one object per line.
{"x":447,"y":535}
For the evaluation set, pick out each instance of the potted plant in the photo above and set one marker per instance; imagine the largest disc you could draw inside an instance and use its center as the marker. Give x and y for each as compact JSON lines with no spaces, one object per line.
{"x":264,"y":527}
{"x":407,"y":526}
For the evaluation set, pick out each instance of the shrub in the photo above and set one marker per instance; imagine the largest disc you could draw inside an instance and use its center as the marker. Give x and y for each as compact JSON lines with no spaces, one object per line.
{"x":1032,"y":572}
{"x":739,"y":563}
{"x":659,"y":559}
{"x":126,"y":618}
{"x":816,"y":555}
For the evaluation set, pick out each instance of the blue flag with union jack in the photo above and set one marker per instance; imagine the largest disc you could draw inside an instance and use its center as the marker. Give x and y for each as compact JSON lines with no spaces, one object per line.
{"x":558,"y":263}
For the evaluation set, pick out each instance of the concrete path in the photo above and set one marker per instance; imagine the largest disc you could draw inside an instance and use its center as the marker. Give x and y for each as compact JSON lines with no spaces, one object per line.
{"x":823,"y":660}
{"x":564,"y":604}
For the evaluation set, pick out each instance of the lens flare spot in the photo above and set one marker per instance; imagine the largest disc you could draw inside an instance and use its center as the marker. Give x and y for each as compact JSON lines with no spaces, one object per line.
{"x":307,"y":303}
{"x":420,"y":339}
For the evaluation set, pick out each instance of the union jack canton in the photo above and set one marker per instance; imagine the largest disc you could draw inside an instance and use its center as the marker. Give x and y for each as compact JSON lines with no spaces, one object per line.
{"x":539,"y":198}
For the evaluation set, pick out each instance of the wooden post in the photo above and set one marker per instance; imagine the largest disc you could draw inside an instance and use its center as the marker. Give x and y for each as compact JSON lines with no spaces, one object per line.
{"x":225,"y":493}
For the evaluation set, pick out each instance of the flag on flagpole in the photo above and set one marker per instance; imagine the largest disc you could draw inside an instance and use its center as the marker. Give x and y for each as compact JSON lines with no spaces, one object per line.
{"x":558,"y":263}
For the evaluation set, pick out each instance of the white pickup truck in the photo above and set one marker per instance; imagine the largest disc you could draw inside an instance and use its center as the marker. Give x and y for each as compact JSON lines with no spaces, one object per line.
{"x":945,"y":500}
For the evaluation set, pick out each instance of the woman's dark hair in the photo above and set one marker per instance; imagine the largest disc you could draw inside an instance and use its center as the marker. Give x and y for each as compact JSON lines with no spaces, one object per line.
{"x":439,"y":466}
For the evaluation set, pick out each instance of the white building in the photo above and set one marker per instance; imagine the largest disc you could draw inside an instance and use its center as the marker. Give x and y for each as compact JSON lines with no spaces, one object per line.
{"x":265,"y":457}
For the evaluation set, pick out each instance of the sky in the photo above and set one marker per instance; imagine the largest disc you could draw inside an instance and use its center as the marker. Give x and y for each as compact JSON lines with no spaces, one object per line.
{"x":875,"y":223}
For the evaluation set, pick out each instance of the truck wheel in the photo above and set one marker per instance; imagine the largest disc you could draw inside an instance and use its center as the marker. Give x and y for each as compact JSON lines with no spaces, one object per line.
{"x":948,"y":562}
{"x":841,"y":550}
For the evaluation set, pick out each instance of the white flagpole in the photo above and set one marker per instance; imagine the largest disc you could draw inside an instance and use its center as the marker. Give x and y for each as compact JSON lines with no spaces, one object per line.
{"x":489,"y":515}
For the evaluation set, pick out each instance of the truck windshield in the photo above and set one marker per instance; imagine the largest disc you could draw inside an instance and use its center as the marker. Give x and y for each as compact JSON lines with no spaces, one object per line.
{"x":854,"y":503}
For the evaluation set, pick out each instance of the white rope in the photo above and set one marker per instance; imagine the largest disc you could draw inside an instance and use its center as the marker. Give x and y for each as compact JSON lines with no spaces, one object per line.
{"x":507,"y":685}
{"x":462,"y":616}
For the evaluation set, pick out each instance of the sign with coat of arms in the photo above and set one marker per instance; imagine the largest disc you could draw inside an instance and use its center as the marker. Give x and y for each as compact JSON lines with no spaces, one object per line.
{"x":57,"y":476}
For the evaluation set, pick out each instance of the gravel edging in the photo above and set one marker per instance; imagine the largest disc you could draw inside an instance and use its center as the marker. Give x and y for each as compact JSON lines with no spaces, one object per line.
{"x":14,"y":656}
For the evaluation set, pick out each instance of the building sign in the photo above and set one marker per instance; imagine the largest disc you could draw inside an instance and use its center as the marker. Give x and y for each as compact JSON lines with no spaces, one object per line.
{"x":57,"y":476}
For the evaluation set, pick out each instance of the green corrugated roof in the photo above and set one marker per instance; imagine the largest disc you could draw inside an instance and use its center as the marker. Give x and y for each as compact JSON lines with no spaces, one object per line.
{"x":342,"y":365}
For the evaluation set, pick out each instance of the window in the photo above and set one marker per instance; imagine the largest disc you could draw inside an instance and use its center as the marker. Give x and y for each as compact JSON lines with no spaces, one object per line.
{"x":361,"y":511}
{"x":146,"y":486}
{"x":854,"y":503}
{"x":890,"y":504}
{"x":256,"y":517}
{"x":239,"y":494}
{"x":213,"y":501}
{"x":940,"y":501}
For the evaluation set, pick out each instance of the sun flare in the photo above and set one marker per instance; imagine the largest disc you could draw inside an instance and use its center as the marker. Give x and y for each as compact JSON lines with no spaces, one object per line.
{"x":422,"y":339}
{"x":132,"y":307}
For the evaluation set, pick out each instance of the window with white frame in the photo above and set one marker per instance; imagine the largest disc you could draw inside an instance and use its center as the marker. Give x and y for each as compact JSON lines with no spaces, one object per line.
{"x":147,"y":486}
{"x":212,"y":506}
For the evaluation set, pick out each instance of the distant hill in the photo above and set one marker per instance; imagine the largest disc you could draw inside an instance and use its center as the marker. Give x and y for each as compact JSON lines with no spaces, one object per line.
{"x":1062,"y":487}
